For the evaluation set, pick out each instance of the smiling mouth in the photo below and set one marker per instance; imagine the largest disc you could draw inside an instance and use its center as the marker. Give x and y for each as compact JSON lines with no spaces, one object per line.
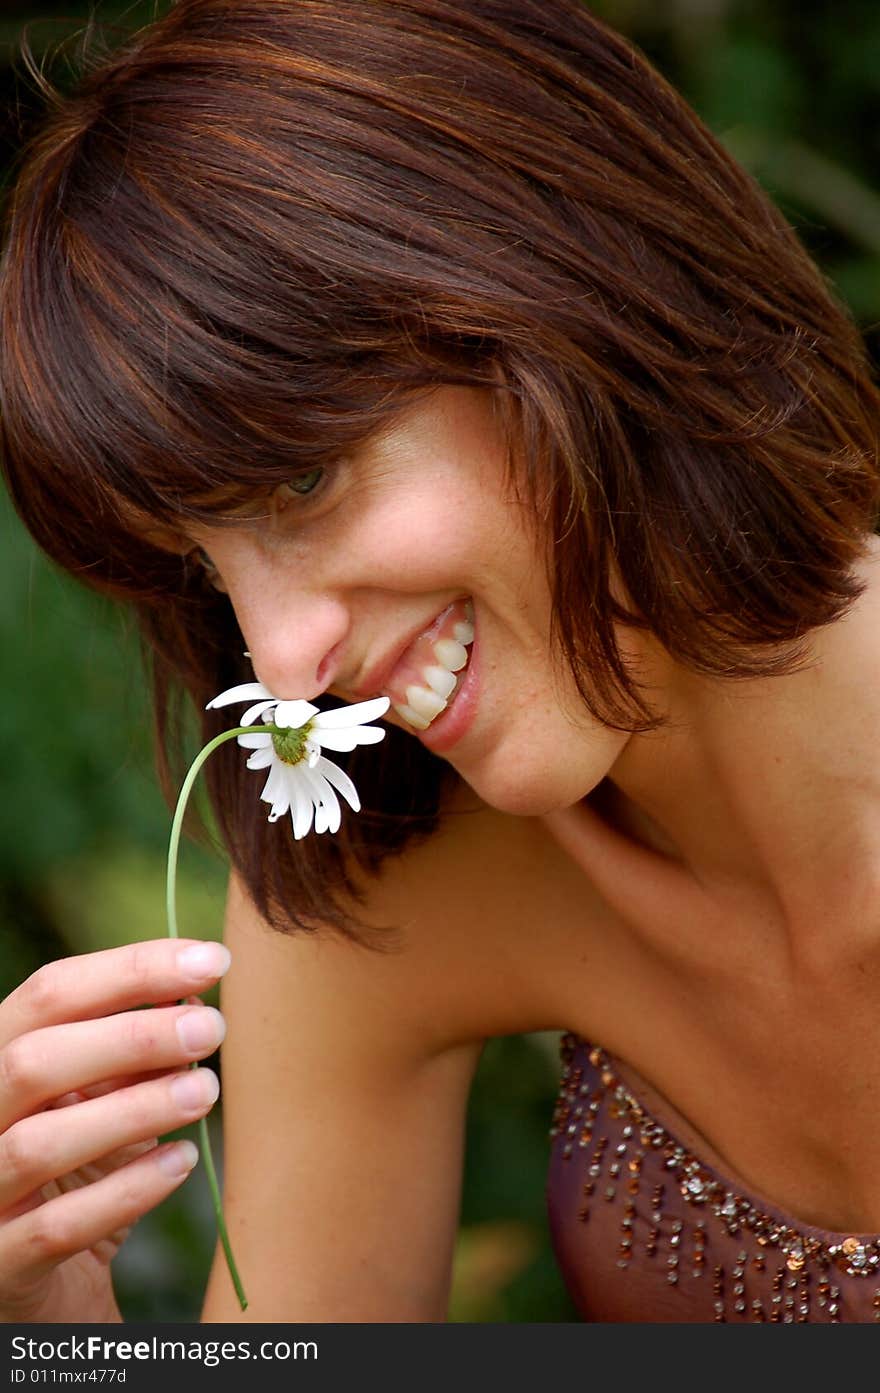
{"x":428,"y":676}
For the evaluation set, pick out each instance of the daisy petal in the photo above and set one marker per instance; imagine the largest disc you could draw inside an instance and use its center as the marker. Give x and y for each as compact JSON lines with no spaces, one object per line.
{"x":260,"y":759}
{"x":332,"y":810}
{"x":302,"y":809}
{"x":320,"y":817}
{"x":255,"y":741}
{"x":340,"y":780}
{"x":352,"y":715}
{"x":328,"y":815}
{"x":368,"y":735}
{"x":253,"y":712}
{"x":294,"y":713}
{"x":276,"y":791}
{"x":336,"y":739}
{"x":246,"y":691}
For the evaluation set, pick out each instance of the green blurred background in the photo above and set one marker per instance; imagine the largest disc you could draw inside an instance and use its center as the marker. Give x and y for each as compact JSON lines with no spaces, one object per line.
{"x":793,"y":88}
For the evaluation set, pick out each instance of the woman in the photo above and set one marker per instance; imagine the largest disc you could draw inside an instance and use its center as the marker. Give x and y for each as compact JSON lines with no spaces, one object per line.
{"x":332,"y":330}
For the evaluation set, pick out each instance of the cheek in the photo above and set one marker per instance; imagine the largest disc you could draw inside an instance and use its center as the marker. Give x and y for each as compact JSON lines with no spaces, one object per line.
{"x":437,"y":537}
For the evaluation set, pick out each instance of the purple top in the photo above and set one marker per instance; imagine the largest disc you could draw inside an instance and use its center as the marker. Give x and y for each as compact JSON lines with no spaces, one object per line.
{"x":645,"y":1231}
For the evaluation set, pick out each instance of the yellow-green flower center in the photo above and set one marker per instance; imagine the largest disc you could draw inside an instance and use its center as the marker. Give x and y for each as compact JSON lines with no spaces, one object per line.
{"x":290,"y":742}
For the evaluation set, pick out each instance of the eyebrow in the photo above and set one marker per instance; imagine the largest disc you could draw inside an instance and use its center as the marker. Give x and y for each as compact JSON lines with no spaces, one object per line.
{"x":222,"y":506}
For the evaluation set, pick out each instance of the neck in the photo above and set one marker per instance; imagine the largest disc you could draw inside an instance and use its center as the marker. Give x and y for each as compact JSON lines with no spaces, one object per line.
{"x":771,"y":787}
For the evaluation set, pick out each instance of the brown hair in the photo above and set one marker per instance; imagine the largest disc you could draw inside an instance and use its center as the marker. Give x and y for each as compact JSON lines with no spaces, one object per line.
{"x":258,"y":227}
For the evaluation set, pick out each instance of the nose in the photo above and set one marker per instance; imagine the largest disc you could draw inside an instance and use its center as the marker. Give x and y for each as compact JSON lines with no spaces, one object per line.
{"x":295,"y":648}
{"x":294,"y":628}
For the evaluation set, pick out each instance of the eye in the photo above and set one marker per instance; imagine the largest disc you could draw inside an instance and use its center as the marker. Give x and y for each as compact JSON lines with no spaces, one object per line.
{"x":300,"y":485}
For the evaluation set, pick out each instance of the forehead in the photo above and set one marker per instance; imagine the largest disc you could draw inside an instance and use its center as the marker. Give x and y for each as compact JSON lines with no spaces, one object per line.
{"x":456,"y":421}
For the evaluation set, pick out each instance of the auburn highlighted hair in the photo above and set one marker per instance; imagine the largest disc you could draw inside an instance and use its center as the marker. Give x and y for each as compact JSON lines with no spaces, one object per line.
{"x":256,"y":229}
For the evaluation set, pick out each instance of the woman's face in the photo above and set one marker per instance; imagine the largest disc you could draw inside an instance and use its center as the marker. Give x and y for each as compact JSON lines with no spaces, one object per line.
{"x":350,"y":582}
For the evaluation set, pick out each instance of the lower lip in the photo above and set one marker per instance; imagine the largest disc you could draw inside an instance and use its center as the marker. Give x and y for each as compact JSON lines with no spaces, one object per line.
{"x":448,"y":728}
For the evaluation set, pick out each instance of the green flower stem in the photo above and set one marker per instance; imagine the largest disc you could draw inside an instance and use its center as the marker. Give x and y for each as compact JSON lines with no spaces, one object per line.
{"x":170,"y":901}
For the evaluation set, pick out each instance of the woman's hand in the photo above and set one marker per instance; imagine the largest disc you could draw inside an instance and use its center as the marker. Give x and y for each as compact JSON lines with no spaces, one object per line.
{"x":86,"y":1086}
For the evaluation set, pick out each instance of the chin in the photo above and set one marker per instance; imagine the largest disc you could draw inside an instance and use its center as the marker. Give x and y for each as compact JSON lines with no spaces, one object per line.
{"x":530,"y":792}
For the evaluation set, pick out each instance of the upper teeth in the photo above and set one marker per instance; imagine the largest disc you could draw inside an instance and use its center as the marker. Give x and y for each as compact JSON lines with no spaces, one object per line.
{"x":440,"y":680}
{"x":427,"y":699}
{"x":424,"y":702}
{"x":451,"y":654}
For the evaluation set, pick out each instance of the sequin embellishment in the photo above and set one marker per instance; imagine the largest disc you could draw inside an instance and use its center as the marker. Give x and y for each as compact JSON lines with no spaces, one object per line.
{"x":781,"y":1274}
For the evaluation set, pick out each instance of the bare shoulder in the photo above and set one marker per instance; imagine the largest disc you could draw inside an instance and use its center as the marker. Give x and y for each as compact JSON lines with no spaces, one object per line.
{"x":473,"y":927}
{"x":469,"y":934}
{"x":489,"y":911}
{"x":347,"y":1071}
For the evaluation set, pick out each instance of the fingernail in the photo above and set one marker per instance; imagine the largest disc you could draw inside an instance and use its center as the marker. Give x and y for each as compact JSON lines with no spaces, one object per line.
{"x":195,"y":1089}
{"x":179,"y":1159}
{"x":202,"y":961}
{"x":200,"y":1029}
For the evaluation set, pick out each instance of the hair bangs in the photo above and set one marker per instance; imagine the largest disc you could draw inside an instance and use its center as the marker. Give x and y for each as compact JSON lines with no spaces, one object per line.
{"x":154,"y":367}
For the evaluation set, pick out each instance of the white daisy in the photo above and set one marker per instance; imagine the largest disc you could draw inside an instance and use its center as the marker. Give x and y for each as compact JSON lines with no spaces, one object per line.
{"x":301,"y":781}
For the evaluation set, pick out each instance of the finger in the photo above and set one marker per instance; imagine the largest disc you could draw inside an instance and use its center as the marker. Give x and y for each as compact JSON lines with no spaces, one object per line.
{"x":92,"y":1171}
{"x":53,"y":1144}
{"x":115,"y":979}
{"x":108,"y":1247}
{"x":34,"y":1243}
{"x":94,"y":1090}
{"x":74,"y":1180}
{"x":46,"y":1064}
